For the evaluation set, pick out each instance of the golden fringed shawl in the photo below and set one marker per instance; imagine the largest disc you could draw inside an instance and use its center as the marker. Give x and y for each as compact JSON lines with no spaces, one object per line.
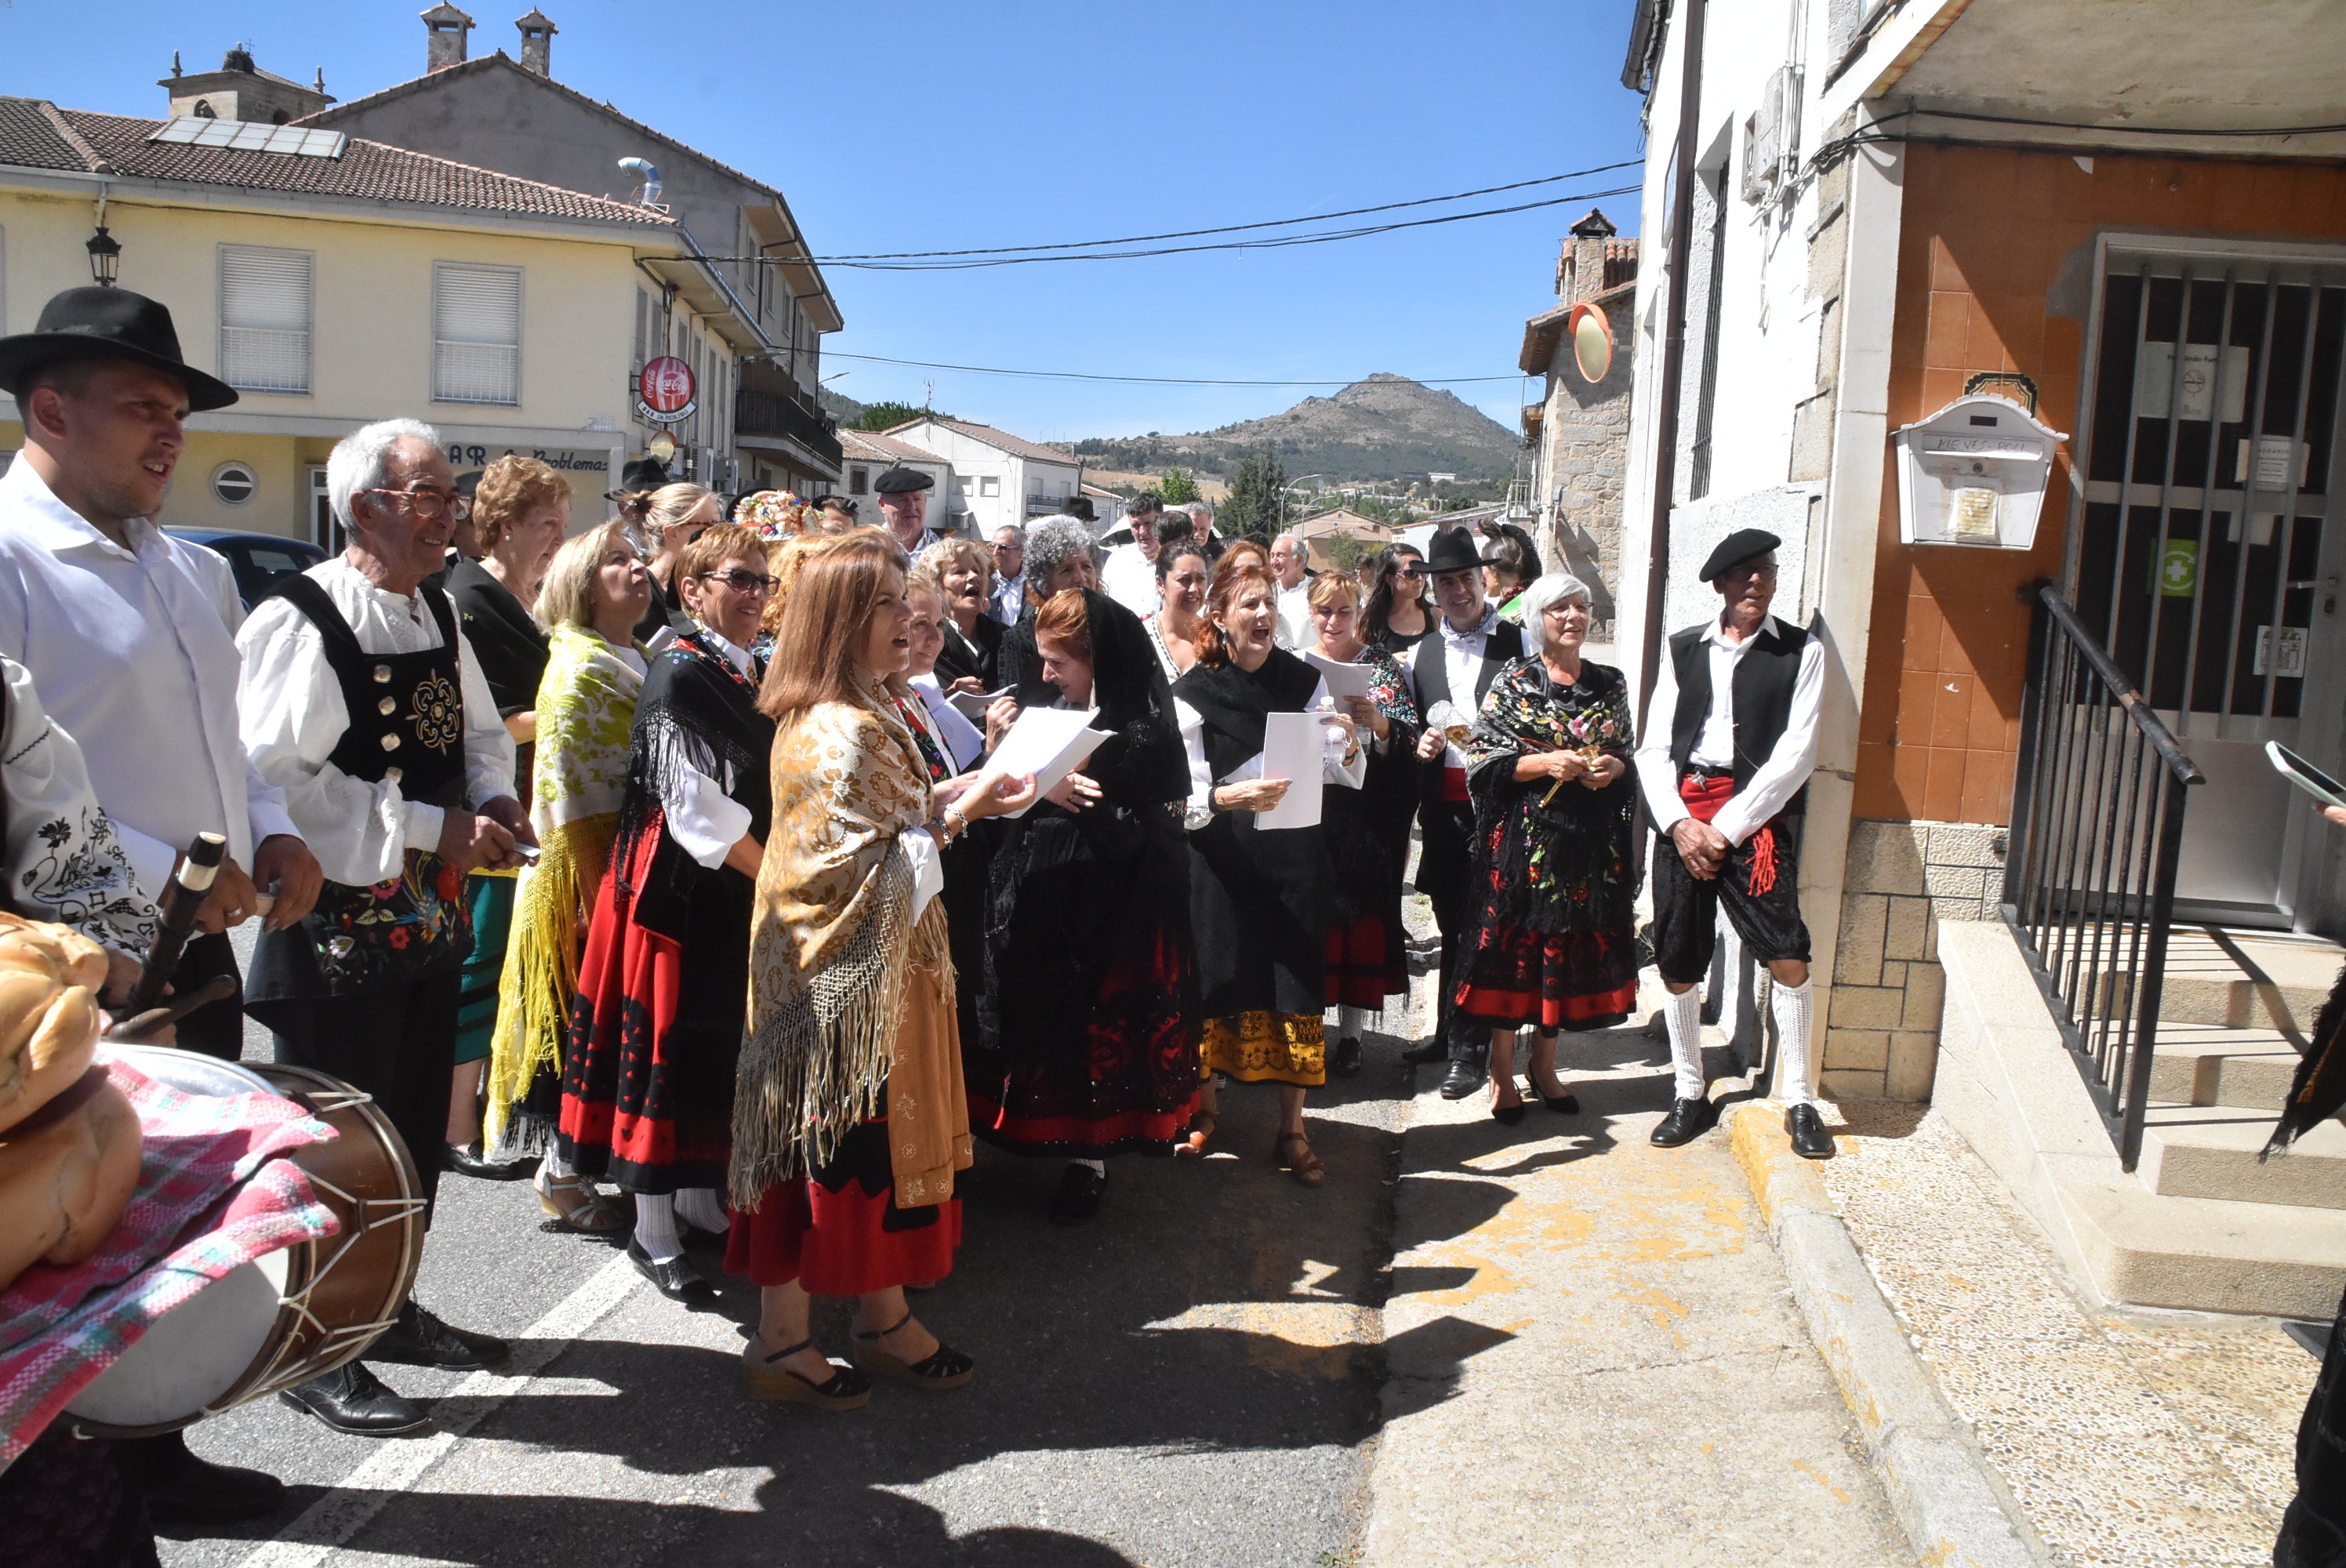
{"x":586,"y":705}
{"x":845,"y":988}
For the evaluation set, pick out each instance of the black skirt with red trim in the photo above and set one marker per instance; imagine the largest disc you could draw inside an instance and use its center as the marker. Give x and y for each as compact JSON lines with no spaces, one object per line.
{"x":1366,"y":960}
{"x":1518,"y":978}
{"x":839,"y":1232}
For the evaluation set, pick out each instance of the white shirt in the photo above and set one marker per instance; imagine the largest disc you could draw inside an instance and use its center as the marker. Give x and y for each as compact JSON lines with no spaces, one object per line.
{"x":1009,"y":601}
{"x":1130,"y":579}
{"x":705,"y":822}
{"x":1295,"y":629}
{"x":1203,"y":782}
{"x":1461,"y":662}
{"x":294,"y":717}
{"x":1775,"y":781}
{"x":61,"y":859}
{"x":135,"y":655}
{"x":962,"y":742}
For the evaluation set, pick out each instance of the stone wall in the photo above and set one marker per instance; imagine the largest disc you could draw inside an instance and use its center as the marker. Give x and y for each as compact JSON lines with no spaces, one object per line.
{"x":1881,"y":1033}
{"x":1584,"y":459}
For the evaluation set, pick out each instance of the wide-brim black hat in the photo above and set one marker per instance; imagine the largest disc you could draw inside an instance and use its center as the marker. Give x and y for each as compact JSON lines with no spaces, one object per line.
{"x":1453,"y":550}
{"x":1737,"y":548}
{"x":640,"y":475}
{"x":99,"y":323}
{"x":897,"y":481}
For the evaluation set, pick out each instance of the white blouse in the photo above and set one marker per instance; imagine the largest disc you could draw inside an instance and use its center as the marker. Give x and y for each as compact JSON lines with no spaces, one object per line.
{"x":705,"y":822}
{"x":62,"y":860}
{"x":1351,"y":775}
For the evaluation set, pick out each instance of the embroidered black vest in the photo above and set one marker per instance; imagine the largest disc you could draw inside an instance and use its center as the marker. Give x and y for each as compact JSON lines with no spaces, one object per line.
{"x":1764,"y":679}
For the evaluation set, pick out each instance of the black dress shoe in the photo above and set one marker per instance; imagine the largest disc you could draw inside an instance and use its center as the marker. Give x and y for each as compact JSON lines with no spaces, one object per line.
{"x":352,"y":1400}
{"x":185,"y":1492}
{"x":1565,"y":1105}
{"x":1508,"y":1115}
{"x":1345,"y":1060}
{"x":1807,"y":1129}
{"x":418,"y":1339}
{"x":673,"y":1278}
{"x":1426,"y":1051}
{"x":1078,"y":1201}
{"x":1463,"y":1079}
{"x":1687,"y":1120}
{"x":465,"y":1159}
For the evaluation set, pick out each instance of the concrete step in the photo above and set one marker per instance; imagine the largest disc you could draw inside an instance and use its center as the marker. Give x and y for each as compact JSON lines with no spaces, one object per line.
{"x":2210,"y":1152}
{"x":2283,"y":987}
{"x":2206,"y":1255}
{"x":2209,"y":1064}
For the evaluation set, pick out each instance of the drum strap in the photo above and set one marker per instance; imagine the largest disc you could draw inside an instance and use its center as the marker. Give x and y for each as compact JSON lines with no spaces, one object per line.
{"x":83,"y":1090}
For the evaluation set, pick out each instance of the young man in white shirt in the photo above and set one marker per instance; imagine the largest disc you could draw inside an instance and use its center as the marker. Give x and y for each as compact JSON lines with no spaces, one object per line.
{"x":1731,"y":739}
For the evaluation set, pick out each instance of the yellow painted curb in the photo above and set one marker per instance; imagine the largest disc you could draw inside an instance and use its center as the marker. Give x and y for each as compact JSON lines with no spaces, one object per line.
{"x":1779,"y":1177}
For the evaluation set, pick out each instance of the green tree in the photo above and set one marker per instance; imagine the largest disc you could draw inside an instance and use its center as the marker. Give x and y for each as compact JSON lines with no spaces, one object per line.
{"x":1179,"y":487}
{"x":1344,"y":552}
{"x":1255,"y":491}
{"x":889,"y":415}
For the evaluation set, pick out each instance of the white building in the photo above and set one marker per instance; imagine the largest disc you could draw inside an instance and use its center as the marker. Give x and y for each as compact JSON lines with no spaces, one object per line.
{"x":997,"y":477}
{"x":865,"y":455}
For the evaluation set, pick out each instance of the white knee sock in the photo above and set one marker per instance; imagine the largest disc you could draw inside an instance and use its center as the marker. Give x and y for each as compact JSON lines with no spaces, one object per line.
{"x":1791,"y":1005}
{"x":656,"y":1227}
{"x":697,"y":1206}
{"x":1682,"y":1011}
{"x":556,"y":1168}
{"x":1097,"y":1168}
{"x":1352,"y":1023}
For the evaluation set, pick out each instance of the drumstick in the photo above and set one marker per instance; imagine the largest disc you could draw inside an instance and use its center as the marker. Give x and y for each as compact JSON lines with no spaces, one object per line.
{"x":219,"y":988}
{"x":177,"y":908}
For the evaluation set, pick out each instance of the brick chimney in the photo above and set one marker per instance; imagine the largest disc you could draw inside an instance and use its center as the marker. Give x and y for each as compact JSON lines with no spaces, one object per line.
{"x":444,"y":41}
{"x":538,"y":32}
{"x":1583,"y":271}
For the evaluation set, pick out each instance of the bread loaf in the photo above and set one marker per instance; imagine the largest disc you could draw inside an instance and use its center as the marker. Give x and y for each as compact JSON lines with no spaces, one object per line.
{"x":49,"y":980}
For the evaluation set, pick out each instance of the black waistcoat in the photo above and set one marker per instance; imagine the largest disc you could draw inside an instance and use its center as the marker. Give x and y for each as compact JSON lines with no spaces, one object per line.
{"x":406,"y":725}
{"x":1764,"y":680}
{"x":1429,"y":669}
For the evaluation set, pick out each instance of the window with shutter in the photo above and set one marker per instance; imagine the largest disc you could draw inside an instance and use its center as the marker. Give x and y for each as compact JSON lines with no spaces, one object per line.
{"x":475,"y":333}
{"x":265,"y":318}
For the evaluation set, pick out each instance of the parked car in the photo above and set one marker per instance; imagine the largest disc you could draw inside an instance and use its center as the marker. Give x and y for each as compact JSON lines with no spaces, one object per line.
{"x":258,"y":560}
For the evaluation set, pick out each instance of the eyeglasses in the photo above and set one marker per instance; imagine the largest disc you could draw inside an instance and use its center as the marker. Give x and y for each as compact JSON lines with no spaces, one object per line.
{"x":427,"y":504}
{"x":742,"y":581}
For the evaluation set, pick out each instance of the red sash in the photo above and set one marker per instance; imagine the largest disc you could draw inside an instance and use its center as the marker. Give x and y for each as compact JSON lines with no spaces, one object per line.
{"x":1703,"y":797}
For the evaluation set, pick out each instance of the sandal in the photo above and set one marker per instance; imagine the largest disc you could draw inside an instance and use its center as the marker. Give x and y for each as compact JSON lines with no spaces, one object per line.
{"x":941,"y":1369}
{"x":849,"y":1388}
{"x":594,"y":1214}
{"x":1202,"y":1133}
{"x":1306,"y":1167}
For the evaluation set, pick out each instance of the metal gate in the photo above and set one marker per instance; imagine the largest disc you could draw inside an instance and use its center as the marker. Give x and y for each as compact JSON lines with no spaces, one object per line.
{"x":2197,"y":548}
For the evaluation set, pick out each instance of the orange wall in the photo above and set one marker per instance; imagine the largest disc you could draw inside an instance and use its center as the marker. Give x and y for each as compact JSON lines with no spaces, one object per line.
{"x":1984,"y":233}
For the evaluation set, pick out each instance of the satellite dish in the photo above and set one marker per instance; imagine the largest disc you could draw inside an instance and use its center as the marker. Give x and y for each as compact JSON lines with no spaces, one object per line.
{"x":1592,"y":341}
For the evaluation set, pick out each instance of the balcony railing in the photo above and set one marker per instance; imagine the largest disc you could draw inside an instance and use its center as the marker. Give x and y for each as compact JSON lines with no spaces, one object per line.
{"x":774,"y":413}
{"x":2089,"y":878}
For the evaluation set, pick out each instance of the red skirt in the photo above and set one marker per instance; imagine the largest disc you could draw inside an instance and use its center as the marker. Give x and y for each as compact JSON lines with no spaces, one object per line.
{"x":840,"y":1233}
{"x":1520,"y":979}
{"x":1366,"y":963}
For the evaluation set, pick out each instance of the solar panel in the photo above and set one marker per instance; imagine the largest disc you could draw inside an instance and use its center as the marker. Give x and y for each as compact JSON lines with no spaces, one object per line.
{"x":250,"y":136}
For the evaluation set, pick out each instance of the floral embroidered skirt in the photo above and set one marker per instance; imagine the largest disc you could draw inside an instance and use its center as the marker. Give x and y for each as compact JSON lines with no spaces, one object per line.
{"x":1516,"y":978}
{"x":1268,"y":1047}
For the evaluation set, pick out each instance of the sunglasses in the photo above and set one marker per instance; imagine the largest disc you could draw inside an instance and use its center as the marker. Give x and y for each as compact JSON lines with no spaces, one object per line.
{"x":744,"y":581}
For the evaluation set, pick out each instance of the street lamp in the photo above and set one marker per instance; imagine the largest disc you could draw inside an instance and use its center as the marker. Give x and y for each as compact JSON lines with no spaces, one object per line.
{"x":105,"y":257}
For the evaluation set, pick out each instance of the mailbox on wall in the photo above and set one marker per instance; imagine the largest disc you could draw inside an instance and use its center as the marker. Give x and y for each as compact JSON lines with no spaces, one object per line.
{"x":1975,"y":474}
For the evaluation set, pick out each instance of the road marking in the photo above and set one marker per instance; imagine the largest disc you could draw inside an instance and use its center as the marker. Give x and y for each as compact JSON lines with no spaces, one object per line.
{"x":400,"y":1462}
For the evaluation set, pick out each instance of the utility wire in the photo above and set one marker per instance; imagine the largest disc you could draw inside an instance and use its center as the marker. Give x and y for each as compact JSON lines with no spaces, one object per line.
{"x":1146,"y":381}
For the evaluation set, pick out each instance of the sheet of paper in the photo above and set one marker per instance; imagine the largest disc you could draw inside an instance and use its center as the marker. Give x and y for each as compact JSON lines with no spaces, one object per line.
{"x":1343,"y":679}
{"x":1294,"y":748}
{"x":1048,"y":742}
{"x":973,"y":704}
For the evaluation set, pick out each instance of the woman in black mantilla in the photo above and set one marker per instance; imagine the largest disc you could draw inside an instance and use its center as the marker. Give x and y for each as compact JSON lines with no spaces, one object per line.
{"x":1089,"y":1018}
{"x":1259,"y":898}
{"x":1553,"y":944}
{"x":655,"y":1033}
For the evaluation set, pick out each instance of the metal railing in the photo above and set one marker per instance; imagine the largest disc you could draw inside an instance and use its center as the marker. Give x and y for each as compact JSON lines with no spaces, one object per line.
{"x":2089,"y":876}
{"x":757,"y":413}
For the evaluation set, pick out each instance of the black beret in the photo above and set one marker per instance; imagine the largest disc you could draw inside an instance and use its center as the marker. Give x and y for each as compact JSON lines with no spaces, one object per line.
{"x":897,"y":481}
{"x":1737,"y":548}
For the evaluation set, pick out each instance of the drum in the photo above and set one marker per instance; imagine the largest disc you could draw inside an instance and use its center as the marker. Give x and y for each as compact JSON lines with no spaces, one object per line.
{"x":301,"y":1311}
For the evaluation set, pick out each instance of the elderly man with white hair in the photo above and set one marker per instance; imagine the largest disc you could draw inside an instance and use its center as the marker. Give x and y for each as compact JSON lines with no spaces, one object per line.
{"x":362,"y":702}
{"x":1553,"y":945}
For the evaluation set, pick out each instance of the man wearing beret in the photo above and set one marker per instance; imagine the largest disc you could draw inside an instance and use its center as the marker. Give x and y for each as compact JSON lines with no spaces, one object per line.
{"x":904,"y":500}
{"x":1730,"y":740}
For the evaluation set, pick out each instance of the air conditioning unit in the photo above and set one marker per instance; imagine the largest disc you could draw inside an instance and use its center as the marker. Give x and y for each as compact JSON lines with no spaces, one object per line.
{"x":1771,"y":137}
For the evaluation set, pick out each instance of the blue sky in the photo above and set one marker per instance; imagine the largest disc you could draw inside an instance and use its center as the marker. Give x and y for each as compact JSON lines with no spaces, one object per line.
{"x":992,"y":123}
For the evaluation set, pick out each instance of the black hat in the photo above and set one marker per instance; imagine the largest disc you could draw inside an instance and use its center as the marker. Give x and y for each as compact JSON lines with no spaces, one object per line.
{"x":469,"y":482}
{"x":1737,"y":548}
{"x":1079,"y":506}
{"x":897,"y":481}
{"x":642,"y":473}
{"x":98,"y":323}
{"x":1453,"y":550}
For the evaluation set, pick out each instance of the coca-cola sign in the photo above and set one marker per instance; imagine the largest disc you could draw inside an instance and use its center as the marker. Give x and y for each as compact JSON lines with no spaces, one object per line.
{"x":664,"y":391}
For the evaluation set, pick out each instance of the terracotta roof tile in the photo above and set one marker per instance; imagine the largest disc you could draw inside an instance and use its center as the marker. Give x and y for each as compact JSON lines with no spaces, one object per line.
{"x":1017,"y":446}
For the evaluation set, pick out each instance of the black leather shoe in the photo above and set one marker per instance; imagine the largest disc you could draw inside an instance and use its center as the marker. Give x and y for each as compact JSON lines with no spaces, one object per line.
{"x":1078,"y":1201}
{"x":465,"y":1159}
{"x":185,"y":1492}
{"x":1344,"y":1061}
{"x":352,"y":1400}
{"x":417,"y":1338}
{"x":1463,"y":1079}
{"x":1687,"y":1120}
{"x":673,"y":1278}
{"x":1425,"y":1050}
{"x":1807,"y":1130}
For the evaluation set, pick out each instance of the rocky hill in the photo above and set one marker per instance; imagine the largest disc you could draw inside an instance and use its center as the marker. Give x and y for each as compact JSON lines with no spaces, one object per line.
{"x":1380,"y":428}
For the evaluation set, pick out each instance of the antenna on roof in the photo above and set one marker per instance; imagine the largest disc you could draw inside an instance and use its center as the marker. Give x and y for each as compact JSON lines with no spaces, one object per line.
{"x":929,"y":397}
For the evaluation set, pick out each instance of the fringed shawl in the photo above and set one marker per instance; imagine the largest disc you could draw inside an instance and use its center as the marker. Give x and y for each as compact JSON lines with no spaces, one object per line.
{"x":586,"y":703}
{"x":832,"y":940}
